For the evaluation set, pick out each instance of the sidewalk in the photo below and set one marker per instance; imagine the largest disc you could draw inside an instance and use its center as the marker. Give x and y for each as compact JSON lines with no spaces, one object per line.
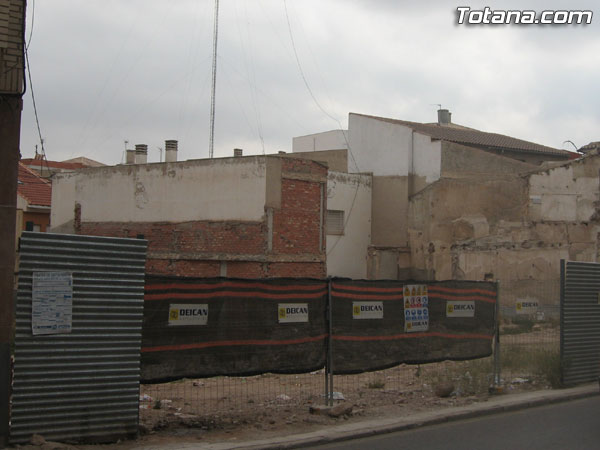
{"x":499,"y":404}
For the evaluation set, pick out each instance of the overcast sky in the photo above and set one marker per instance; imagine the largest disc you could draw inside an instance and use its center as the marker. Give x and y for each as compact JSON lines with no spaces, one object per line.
{"x":109,"y":71}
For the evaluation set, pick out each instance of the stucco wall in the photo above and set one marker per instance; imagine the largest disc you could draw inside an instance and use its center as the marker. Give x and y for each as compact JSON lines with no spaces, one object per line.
{"x":514,"y":229}
{"x":347,"y":253}
{"x":328,"y":140}
{"x":427,"y":159}
{"x":218,"y":189}
{"x":336,"y":160}
{"x":390,"y":211}
{"x":380,"y":147}
{"x":566,"y":193}
{"x":460,"y":161}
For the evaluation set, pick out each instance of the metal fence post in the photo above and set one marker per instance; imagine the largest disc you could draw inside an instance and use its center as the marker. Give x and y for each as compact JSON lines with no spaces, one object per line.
{"x":497,"y":364}
{"x":330,"y":343}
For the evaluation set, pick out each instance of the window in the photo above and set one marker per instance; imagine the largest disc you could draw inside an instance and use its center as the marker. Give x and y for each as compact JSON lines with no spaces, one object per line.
{"x":335,"y":221}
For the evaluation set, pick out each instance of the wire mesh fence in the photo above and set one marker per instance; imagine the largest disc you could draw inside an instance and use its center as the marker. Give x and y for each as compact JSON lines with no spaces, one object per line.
{"x":529,"y":324}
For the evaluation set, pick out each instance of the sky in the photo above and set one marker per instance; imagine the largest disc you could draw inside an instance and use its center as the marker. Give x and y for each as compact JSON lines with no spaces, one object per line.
{"x":109,"y":74}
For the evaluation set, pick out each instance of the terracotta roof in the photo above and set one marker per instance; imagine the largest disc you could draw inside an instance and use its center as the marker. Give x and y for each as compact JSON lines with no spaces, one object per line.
{"x":87,"y":162}
{"x":33,"y":188}
{"x":32,"y":162}
{"x":470,"y":136}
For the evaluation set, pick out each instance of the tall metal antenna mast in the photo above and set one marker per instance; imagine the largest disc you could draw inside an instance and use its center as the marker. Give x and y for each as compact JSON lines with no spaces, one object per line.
{"x":211,"y":141}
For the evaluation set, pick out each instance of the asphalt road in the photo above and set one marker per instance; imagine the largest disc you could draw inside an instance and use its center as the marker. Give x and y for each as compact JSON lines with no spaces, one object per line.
{"x":573,"y":425}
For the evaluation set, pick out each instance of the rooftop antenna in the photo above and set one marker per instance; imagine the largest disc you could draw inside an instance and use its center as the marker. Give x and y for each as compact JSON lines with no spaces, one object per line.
{"x":160,"y":154}
{"x":439,"y":105}
{"x":211,"y":140}
{"x":571,"y":142}
{"x":123,"y":156}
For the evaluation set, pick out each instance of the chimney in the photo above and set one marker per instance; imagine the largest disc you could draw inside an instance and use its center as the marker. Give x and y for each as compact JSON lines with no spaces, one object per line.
{"x":170,"y":151}
{"x":444,"y":117}
{"x":130,"y":156}
{"x":141,"y":153}
{"x":237,"y":152}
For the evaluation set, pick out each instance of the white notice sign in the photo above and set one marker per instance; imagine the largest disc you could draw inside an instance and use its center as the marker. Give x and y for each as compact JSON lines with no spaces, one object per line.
{"x":367,"y":310}
{"x":292,"y":312}
{"x":460,"y":308}
{"x":527,"y":306}
{"x":188,"y":314}
{"x":51,"y":303}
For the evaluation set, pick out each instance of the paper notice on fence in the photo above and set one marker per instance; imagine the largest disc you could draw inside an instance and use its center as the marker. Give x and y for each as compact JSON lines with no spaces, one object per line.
{"x":51,"y":303}
{"x":292,"y":312}
{"x":367,"y":310}
{"x":527,"y":306}
{"x":188,"y":314}
{"x":460,"y":309}
{"x":416,"y":308}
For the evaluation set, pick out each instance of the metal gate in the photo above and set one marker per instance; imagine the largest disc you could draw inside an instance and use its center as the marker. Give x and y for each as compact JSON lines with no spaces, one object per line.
{"x":80,"y":381}
{"x":580,"y":322}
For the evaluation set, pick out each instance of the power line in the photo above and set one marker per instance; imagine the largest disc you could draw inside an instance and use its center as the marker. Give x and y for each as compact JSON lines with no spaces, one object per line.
{"x":310,"y":90}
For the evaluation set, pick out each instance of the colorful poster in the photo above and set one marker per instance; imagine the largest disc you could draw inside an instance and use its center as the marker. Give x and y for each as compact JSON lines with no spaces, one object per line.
{"x":416,"y":308}
{"x":51,"y":303}
{"x":188,"y":314}
{"x":292,"y":312}
{"x":367,"y":310}
{"x":460,"y":308}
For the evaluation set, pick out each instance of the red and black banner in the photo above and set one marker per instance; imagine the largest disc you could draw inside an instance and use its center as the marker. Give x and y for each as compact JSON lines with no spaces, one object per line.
{"x":206,"y":327}
{"x":458,"y":323}
{"x":197,"y":327}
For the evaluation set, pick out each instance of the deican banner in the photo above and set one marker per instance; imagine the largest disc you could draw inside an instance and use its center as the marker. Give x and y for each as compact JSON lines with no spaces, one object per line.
{"x":205,"y":327}
{"x":420,"y":322}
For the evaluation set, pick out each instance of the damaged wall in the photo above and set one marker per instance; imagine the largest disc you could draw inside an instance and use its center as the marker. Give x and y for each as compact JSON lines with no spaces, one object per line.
{"x":511,"y":228}
{"x":248,"y":217}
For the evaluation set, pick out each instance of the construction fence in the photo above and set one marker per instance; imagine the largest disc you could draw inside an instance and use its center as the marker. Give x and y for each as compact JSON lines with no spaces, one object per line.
{"x":378,"y":352}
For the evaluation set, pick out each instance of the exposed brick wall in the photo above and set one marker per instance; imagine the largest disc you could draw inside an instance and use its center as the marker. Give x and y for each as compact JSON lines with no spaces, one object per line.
{"x":244,"y":269}
{"x":184,"y":268}
{"x":297,"y":270}
{"x":197,"y":237}
{"x":197,"y":248}
{"x":297,"y":226}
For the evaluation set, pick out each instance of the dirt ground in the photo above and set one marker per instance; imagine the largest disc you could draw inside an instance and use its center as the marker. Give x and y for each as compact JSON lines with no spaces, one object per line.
{"x":240,"y":409}
{"x":244,"y":409}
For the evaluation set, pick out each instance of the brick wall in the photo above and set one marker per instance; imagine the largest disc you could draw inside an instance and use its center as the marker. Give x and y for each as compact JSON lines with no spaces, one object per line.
{"x":206,"y":249}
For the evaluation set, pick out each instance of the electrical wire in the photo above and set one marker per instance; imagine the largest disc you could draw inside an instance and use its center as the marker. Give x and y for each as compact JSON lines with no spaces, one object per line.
{"x":328,"y":115}
{"x":35,"y":111}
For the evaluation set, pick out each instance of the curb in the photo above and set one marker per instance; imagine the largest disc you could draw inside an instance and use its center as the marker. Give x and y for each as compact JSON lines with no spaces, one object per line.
{"x":340,"y":433}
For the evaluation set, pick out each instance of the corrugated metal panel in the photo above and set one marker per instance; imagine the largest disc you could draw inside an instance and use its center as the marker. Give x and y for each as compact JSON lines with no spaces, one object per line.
{"x":84,"y":384}
{"x":580,"y":322}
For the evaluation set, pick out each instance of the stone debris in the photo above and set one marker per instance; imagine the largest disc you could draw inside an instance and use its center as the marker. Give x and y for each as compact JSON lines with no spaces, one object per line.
{"x":444,"y":390}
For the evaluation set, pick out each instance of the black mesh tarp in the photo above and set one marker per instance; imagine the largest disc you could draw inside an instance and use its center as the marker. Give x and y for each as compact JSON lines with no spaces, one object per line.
{"x":205,"y":327}
{"x":466,"y":332}
{"x":197,"y":327}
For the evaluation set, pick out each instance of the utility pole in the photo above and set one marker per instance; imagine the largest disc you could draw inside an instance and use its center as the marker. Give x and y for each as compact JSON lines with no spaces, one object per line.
{"x":211,"y":139}
{"x":12,"y":65}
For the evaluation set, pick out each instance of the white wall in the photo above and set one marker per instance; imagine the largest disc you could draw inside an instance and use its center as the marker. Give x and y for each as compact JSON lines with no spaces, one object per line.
{"x":218,"y":189}
{"x":379,"y":147}
{"x":347,"y":253}
{"x":427,"y":157}
{"x":328,"y":140}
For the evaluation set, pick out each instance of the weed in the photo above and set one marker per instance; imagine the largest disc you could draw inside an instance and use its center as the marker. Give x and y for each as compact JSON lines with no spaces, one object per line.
{"x":377,"y":384}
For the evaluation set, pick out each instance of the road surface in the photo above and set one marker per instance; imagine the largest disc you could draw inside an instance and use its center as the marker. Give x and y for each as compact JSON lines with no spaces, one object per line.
{"x":573,"y":425}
